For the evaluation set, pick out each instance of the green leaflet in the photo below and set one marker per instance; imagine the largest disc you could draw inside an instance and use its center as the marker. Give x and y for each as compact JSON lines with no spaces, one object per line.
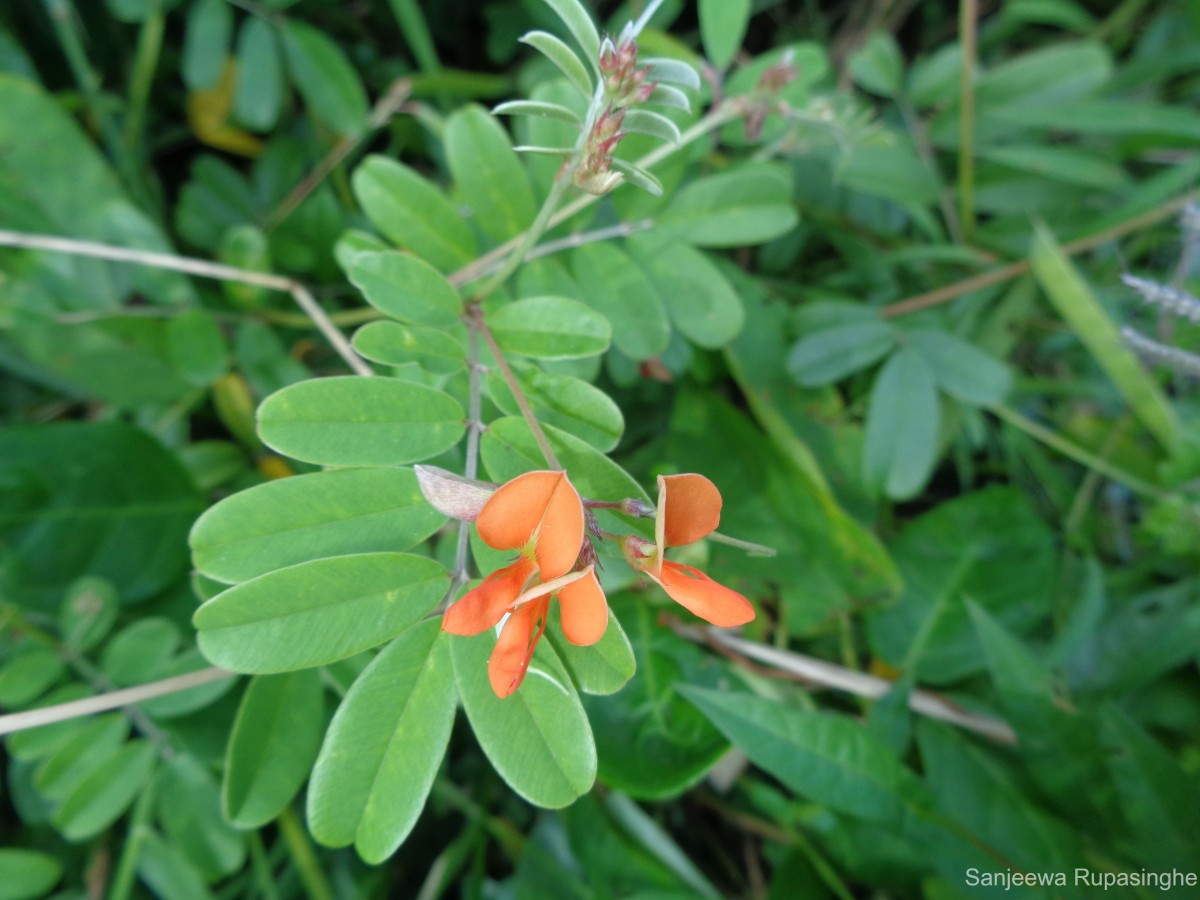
{"x":318,"y":612}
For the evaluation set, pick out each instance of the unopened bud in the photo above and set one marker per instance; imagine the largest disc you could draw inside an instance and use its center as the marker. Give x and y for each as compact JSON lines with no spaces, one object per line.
{"x":639,"y":509}
{"x":453,"y":495}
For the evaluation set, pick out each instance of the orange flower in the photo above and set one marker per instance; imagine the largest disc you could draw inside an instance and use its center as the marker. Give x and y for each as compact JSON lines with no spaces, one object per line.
{"x":540,"y":515}
{"x":689,"y":508}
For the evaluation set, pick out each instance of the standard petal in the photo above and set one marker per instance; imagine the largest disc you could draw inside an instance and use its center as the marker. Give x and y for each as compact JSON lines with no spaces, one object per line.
{"x":560,"y":537}
{"x":696,"y":592}
{"x":584,"y":610}
{"x":689,"y":507}
{"x":543,"y":507}
{"x":484,"y":606}
{"x":514,"y":648}
{"x":509,"y":519}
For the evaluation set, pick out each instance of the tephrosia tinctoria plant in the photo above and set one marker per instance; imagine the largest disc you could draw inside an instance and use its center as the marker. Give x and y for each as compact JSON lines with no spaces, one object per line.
{"x":353,"y":569}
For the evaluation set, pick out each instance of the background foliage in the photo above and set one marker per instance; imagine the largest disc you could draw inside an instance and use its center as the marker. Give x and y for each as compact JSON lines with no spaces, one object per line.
{"x":879,"y":303}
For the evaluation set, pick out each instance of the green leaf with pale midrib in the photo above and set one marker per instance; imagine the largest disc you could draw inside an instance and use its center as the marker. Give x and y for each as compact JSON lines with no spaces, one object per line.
{"x":359,"y":510}
{"x":538,"y":739}
{"x":318,"y":612}
{"x":378,"y":762}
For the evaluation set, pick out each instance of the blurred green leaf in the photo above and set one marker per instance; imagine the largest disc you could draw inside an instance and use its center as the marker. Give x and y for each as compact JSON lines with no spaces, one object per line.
{"x":317,"y":612}
{"x":878,"y":65}
{"x":28,"y":675}
{"x":825,"y":757}
{"x":189,"y":807}
{"x":831,"y":354}
{"x":748,"y":205}
{"x":652,"y":743}
{"x":1076,"y":303}
{"x":702,"y":304}
{"x":258,"y":97}
{"x":66,"y":513}
{"x":107,"y":792}
{"x":987,"y":546}
{"x":960,"y":369}
{"x":614,"y":285}
{"x":197,"y":347}
{"x":722,"y":26}
{"x":902,"y":426}
{"x":325,"y":78}
{"x":206,"y":43}
{"x":27,"y":873}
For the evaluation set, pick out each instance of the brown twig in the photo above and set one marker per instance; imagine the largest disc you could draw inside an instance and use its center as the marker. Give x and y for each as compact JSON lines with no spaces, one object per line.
{"x":204,"y":269}
{"x":827,"y":674}
{"x":1012,"y":270}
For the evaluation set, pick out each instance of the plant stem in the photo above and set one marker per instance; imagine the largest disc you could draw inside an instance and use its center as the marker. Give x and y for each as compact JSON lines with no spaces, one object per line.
{"x":64,"y":20}
{"x":839,"y":678}
{"x":526,"y":240}
{"x":1012,"y":270}
{"x":519,"y":395}
{"x":386,"y":107}
{"x":1057,"y":442}
{"x":139,"y":826}
{"x":303,"y":855}
{"x":204,"y":269}
{"x":460,"y":574}
{"x":145,"y":61}
{"x":749,"y":546}
{"x":60,"y":712}
{"x":968,"y":23}
{"x":714,"y":119}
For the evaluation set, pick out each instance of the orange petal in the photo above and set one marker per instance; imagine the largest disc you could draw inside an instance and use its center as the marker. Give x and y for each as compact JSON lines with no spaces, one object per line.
{"x":696,"y":592}
{"x":689,"y":507}
{"x":584,"y":610}
{"x":537,"y":505}
{"x":514,"y":649}
{"x":485,"y":605}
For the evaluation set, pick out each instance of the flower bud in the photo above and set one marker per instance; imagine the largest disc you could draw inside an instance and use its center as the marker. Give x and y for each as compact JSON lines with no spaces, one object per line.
{"x":453,"y":495}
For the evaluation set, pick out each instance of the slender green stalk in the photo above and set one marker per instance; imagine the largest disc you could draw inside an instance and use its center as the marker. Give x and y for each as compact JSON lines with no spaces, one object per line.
{"x":122,"y":884}
{"x":303,"y":855}
{"x":1057,"y":442}
{"x":530,"y":236}
{"x":263,"y":876}
{"x":968,"y":23}
{"x":145,"y":62}
{"x":715,"y":118}
{"x":64,"y":20}
{"x":416,"y":32}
